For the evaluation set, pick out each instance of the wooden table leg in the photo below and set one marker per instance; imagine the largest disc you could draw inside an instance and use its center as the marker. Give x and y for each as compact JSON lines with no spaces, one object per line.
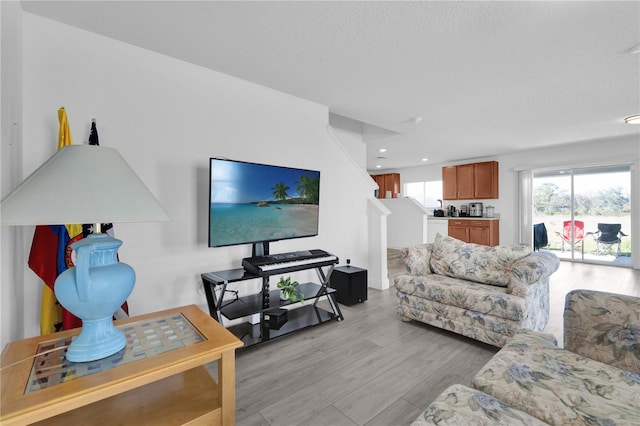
{"x":227,"y":387}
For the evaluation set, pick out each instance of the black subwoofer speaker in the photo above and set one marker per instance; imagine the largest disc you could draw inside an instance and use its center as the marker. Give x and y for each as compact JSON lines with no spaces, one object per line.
{"x":350,"y":283}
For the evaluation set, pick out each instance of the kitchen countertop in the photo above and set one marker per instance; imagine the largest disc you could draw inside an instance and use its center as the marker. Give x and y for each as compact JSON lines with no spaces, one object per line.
{"x":431,"y":217}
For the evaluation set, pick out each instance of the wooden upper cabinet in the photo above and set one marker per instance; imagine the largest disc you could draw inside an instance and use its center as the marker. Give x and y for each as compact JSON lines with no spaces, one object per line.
{"x":387,"y":182}
{"x":465,"y":177}
{"x":392,"y":183}
{"x":474,"y":181}
{"x":486,"y":180}
{"x":449,"y":183}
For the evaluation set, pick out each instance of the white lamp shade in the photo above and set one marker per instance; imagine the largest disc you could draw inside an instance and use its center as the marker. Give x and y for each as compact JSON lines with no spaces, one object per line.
{"x":81,"y":184}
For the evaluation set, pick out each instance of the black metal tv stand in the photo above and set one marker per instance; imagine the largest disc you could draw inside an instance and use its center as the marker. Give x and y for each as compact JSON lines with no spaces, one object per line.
{"x":307,"y":315}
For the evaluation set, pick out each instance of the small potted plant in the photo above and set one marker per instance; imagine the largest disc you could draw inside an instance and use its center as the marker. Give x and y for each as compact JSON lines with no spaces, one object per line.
{"x":289,"y":290}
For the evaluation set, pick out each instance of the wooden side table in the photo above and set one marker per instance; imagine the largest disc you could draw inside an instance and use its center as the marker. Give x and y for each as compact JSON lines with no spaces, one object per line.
{"x":351,"y":284}
{"x":159,"y":378}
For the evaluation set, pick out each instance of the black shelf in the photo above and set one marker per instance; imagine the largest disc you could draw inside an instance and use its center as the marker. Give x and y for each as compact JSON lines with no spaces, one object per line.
{"x":297,"y":319}
{"x":230,"y":275}
{"x":252,"y":304}
{"x":308,"y":314}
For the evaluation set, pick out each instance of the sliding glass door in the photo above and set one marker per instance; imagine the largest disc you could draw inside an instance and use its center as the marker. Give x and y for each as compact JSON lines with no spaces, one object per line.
{"x":586,"y":212}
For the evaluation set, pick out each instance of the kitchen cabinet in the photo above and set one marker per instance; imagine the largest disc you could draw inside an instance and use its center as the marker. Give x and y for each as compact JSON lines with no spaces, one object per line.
{"x":475,"y":181}
{"x":387,"y":182}
{"x":450,"y":183}
{"x":459,"y":230}
{"x":485,"y":184}
{"x":486,"y":232}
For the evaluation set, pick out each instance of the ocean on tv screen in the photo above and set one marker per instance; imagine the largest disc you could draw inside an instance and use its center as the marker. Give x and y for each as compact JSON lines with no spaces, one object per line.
{"x":236,"y":223}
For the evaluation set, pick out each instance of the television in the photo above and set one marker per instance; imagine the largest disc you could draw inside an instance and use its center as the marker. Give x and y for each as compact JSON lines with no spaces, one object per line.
{"x":252,"y":203}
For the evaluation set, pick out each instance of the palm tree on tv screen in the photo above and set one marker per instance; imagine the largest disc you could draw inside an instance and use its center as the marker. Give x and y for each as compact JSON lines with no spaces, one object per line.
{"x":308,"y":188}
{"x":280,"y":191}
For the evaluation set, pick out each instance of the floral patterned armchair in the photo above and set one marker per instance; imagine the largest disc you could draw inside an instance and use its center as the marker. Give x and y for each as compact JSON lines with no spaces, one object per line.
{"x":593,"y":380}
{"x":603,"y":326}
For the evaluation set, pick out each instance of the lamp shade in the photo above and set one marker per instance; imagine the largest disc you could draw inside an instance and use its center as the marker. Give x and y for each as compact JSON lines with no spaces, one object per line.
{"x":81,"y":184}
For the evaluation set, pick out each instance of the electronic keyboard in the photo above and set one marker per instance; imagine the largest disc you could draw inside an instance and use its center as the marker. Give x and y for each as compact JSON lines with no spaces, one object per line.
{"x":288,"y":262}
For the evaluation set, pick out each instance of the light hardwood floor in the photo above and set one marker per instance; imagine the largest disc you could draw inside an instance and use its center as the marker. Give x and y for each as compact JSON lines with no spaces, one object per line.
{"x":372,"y":368}
{"x":570,"y":276}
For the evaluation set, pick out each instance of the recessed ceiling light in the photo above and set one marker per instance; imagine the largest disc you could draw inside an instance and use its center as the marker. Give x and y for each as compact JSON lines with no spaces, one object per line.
{"x":382,"y":150}
{"x":425,"y":159}
{"x":378,"y":166}
{"x":632,"y":119}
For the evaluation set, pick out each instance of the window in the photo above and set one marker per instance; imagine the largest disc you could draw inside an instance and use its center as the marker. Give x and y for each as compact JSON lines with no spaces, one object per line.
{"x":587,"y":197}
{"x":427,"y":193}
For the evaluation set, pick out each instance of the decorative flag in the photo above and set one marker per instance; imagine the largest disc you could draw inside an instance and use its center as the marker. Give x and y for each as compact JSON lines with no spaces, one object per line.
{"x":107,"y":228}
{"x":51,"y":252}
{"x":49,"y":257}
{"x":93,"y":136}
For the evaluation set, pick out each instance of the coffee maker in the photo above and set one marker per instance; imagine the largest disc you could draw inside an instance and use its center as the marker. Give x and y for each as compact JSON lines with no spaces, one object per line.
{"x":451,"y":211}
{"x":475,"y":209}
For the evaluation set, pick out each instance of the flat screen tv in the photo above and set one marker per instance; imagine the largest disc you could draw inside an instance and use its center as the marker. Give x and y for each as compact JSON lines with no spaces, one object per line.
{"x":252,"y":203}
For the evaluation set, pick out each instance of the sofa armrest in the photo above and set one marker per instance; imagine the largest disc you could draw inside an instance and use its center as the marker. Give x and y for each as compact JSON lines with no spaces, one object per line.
{"x":603,"y":326}
{"x":537,"y":266}
{"x":542,"y":339}
{"x":417,"y":259}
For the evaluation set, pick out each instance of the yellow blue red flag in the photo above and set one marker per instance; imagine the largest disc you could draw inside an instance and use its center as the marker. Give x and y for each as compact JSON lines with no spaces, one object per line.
{"x":51,"y":252}
{"x":49,"y":255}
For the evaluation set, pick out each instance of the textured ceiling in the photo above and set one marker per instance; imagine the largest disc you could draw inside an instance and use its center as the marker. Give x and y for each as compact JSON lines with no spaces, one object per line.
{"x":487,"y":78}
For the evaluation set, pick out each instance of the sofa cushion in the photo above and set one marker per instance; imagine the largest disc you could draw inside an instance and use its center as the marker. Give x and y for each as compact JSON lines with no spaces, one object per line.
{"x":481,"y":298}
{"x":530,"y":373}
{"x":417,"y":258}
{"x":475,"y":262}
{"x":459,"y":405}
{"x":485,"y":328}
{"x":603,"y":326}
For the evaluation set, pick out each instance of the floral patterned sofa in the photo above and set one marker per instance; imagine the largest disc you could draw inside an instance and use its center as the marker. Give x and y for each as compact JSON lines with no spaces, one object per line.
{"x":486,"y":293}
{"x":594,"y":380}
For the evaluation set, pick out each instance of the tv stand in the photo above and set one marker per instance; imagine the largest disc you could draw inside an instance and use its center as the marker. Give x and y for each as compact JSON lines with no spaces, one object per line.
{"x":260,"y":249}
{"x":308,"y":315}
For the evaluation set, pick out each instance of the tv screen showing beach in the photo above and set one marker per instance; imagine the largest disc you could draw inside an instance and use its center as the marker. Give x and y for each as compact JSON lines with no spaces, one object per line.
{"x":252,"y":202}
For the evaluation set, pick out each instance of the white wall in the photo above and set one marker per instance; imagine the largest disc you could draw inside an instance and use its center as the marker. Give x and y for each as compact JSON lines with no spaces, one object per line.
{"x":378,"y":274}
{"x":618,"y":150}
{"x":350,"y":133}
{"x":167,"y":117}
{"x":11,"y":295}
{"x":407,"y":223}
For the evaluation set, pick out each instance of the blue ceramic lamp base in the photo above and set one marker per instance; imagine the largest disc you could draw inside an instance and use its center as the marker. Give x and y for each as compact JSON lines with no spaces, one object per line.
{"x":97,"y":339}
{"x":93,"y":290}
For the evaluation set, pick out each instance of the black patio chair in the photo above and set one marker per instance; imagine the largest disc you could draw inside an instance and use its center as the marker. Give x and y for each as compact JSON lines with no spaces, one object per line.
{"x":607,"y":236}
{"x":540,"y":237}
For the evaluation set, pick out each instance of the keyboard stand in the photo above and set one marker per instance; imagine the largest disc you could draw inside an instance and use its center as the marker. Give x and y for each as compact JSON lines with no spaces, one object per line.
{"x":324,"y":290}
{"x":216,"y":303}
{"x":307,"y":315}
